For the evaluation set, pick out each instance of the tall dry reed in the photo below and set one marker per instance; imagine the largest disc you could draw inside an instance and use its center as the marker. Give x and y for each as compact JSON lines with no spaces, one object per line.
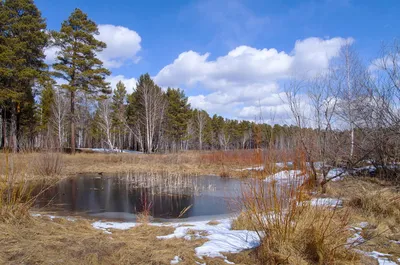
{"x":293,"y":231}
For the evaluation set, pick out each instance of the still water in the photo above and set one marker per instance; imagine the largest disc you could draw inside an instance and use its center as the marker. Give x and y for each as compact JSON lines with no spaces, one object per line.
{"x":123,"y":196}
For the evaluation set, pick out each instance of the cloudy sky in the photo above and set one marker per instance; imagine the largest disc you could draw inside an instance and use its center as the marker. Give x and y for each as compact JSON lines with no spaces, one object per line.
{"x":230,"y":56}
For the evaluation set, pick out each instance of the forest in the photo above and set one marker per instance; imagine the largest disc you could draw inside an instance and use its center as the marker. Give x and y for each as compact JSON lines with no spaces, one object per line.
{"x":351,"y":108}
{"x":69,"y":104}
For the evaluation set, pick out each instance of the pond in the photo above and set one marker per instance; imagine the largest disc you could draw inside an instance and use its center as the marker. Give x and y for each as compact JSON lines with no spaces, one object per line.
{"x":123,"y":196}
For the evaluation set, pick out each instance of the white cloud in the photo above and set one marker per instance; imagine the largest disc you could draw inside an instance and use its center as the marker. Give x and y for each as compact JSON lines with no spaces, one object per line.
{"x":123,"y":44}
{"x":313,"y":54}
{"x":245,"y":81}
{"x":244,"y":64}
{"x":130,"y":83}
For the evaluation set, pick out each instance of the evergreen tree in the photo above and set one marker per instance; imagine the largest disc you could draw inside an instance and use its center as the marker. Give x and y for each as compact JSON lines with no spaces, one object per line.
{"x":22,"y":41}
{"x":178,"y":115}
{"x":46,"y":104}
{"x":119,"y":111}
{"x":77,"y":62}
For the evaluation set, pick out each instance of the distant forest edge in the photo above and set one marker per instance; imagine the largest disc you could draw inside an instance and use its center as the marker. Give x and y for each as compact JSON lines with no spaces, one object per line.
{"x":349,"y":111}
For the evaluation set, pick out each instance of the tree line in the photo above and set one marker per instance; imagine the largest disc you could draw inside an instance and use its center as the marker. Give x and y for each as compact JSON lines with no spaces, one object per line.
{"x":349,"y":112}
{"x":69,"y":104}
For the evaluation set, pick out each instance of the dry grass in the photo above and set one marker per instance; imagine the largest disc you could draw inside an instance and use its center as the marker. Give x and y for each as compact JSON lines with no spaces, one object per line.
{"x":376,"y":202}
{"x":371,"y":197}
{"x":293,"y":231}
{"x":213,"y":222}
{"x":189,"y":163}
{"x":43,"y":241}
{"x":15,"y":191}
{"x":224,"y":163}
{"x":48,"y":164}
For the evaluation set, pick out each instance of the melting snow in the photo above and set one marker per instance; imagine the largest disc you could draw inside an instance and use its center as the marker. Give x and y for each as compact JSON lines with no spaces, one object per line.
{"x":285,"y":175}
{"x":220,"y":237}
{"x":335,"y":172}
{"x":260,"y":168}
{"x":113,"y":225}
{"x":176,"y":260}
{"x":331,"y":202}
{"x":382,"y":258}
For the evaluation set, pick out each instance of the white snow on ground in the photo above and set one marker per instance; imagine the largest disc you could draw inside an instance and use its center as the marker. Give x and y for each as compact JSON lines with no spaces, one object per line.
{"x":260,"y":168}
{"x":334,"y":172}
{"x":176,"y":260}
{"x":331,"y":202}
{"x":285,"y":175}
{"x":220,"y":237}
{"x":284,"y":164}
{"x":113,"y":225}
{"x":357,"y":239}
{"x":382,"y":258}
{"x":53,"y":216}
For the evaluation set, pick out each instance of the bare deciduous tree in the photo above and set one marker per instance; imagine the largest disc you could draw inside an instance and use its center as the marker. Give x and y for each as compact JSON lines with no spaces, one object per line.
{"x":105,"y":120}
{"x":201,"y":119}
{"x":59,"y":116}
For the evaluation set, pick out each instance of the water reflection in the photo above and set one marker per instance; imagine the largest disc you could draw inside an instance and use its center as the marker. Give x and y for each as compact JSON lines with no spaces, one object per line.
{"x":124,"y":196}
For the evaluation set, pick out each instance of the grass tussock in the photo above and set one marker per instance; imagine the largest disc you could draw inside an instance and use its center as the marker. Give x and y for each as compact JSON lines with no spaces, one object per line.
{"x":15,"y":191}
{"x":292,"y":230}
{"x":18,"y":190}
{"x":371,"y":197}
{"x":49,"y":164}
{"x":376,"y":202}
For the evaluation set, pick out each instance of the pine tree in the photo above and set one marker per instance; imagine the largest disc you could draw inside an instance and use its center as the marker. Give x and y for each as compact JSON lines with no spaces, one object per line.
{"x":77,"y":62}
{"x":119,"y":112}
{"x":22,"y":41}
{"x":178,"y":115}
{"x":46,"y":104}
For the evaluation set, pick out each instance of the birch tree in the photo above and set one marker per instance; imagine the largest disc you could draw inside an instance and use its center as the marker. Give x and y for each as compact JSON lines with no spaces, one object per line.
{"x":150,"y":106}
{"x":201,"y":120}
{"x":105,"y":120}
{"x":59,"y":115}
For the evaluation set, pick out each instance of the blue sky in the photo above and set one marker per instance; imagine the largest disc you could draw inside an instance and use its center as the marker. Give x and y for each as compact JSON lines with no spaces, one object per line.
{"x":233,"y":54}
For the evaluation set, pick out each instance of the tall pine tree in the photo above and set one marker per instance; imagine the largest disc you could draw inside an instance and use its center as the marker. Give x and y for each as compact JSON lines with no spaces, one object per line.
{"x":22,"y":42}
{"x":119,"y":112}
{"x":178,"y":115}
{"x":77,"y":62}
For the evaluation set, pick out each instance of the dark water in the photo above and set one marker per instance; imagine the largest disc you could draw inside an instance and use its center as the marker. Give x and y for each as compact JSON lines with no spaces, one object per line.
{"x":124,"y":196}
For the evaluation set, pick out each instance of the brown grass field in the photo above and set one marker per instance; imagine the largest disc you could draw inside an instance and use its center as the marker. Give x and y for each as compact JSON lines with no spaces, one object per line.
{"x":187,"y":162}
{"x":305,"y":235}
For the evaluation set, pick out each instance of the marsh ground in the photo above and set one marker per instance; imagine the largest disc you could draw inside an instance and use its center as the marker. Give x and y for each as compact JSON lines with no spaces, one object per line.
{"x":40,"y":240}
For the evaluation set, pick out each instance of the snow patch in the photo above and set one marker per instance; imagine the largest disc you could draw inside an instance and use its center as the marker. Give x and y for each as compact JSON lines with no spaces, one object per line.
{"x":382,"y":258}
{"x":335,"y":172}
{"x":113,"y":225}
{"x":285,"y":175}
{"x":176,"y":260}
{"x":220,"y":238}
{"x":330,"y":202}
{"x":260,"y":168}
{"x":52,"y":217}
